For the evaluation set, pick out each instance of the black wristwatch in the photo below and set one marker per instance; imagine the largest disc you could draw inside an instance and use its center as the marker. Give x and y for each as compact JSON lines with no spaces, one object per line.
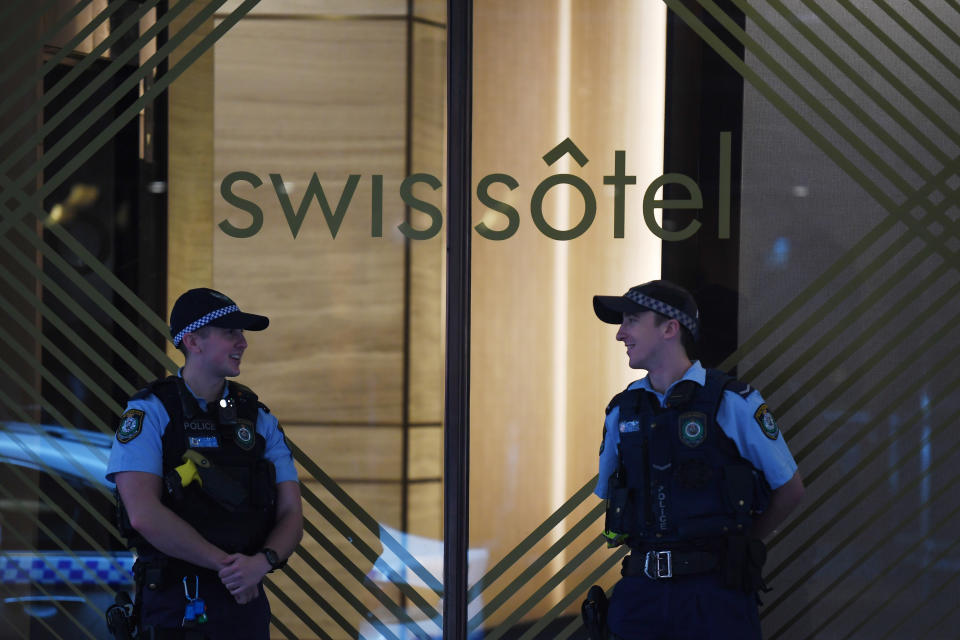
{"x":273,"y":559}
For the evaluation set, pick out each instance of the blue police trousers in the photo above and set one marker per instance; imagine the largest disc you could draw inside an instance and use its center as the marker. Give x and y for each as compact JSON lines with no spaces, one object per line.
{"x":226,"y":620}
{"x":686,"y":607}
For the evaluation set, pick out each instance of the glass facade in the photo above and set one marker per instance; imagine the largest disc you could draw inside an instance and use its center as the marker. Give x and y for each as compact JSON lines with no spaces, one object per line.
{"x":792,"y":164}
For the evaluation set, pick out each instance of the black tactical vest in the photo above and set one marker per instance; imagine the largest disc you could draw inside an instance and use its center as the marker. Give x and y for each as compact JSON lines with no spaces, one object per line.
{"x":226,"y":436}
{"x":680,"y":478}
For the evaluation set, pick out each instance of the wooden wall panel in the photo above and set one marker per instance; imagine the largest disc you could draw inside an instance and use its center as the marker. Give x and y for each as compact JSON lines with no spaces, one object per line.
{"x":297,"y":98}
{"x":433,"y":10}
{"x":426,"y":453}
{"x":294,"y":92}
{"x":190,"y":170}
{"x":427,"y":293}
{"x":427,"y":256}
{"x":383,"y":501}
{"x":543,"y":367}
{"x":426,"y":510}
{"x":322,"y":8}
{"x":512,"y":335}
{"x":620,"y":109}
{"x":84,"y":17}
{"x":358,"y":452}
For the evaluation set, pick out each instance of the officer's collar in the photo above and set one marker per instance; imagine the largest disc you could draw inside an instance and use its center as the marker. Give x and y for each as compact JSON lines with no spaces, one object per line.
{"x":696,"y":373}
{"x":201,"y":403}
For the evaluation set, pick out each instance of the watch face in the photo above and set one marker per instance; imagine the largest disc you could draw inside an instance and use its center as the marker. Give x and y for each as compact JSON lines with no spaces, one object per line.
{"x":272,"y":558}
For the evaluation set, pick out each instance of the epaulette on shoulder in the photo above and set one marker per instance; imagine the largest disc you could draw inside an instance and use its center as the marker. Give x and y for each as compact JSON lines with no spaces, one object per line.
{"x":740,"y":388}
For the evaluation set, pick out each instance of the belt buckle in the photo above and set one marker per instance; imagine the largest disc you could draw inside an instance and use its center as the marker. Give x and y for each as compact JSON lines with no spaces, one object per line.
{"x":661,"y":560}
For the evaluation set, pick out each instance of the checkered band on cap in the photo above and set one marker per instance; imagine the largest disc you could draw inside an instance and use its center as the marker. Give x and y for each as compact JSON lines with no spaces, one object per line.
{"x":662,"y":307}
{"x":203,"y":321}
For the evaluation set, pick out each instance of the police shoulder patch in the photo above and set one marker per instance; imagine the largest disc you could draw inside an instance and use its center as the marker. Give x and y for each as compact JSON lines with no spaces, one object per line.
{"x":131,"y":424}
{"x":767,"y":422}
{"x":693,"y":428}
{"x":243,"y":435}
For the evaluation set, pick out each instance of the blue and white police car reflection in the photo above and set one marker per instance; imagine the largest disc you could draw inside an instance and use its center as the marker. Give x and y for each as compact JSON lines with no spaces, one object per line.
{"x":61,"y":558}
{"x":417,"y":562}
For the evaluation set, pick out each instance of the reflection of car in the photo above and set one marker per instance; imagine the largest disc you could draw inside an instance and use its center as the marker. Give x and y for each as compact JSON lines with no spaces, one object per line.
{"x":391,"y":568}
{"x":59,"y":563}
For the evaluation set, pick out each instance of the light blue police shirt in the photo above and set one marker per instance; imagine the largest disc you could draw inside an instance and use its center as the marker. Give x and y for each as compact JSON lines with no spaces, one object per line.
{"x":737,"y":416}
{"x":144,"y":452}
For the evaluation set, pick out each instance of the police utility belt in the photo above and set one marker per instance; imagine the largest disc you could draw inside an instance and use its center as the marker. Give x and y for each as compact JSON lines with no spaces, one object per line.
{"x":667,"y":563}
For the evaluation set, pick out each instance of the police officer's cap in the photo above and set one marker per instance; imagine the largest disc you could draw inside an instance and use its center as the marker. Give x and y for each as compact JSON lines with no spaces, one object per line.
{"x":660,"y":296}
{"x":201,"y":307}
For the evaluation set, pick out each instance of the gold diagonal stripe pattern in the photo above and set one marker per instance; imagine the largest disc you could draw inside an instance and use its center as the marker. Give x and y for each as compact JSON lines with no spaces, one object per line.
{"x":863,"y":553}
{"x":881,"y":69}
{"x":359,"y":576}
{"x":508,"y":592}
{"x":366,"y":519}
{"x":843,"y":354}
{"x":324,"y":574}
{"x":936,"y":21}
{"x":131,"y":111}
{"x":594,"y":518}
{"x":925,"y":186}
{"x":576,"y":593}
{"x":24,"y":540}
{"x":913,"y":195}
{"x":25,"y":52}
{"x":917,"y":36}
{"x":821,"y":282}
{"x":40,"y":464}
{"x":876,"y":128}
{"x":67,"y":331}
{"x":915,"y":66}
{"x":371,"y":556}
{"x":870,"y":90}
{"x":63,"y":610}
{"x":285,"y":599}
{"x":780,"y":317}
{"x":949,"y":226}
{"x":808,"y":509}
{"x":63,"y":174}
{"x":864,"y":525}
{"x":66,"y":237}
{"x":29,"y":115}
{"x":32,"y":207}
{"x":40,"y":9}
{"x":56,"y":539}
{"x":10,"y":594}
{"x":282,"y":628}
{"x":852,"y":169}
{"x":535,"y":536}
{"x":48,"y":345}
{"x":42,"y":248}
{"x":612,"y":560}
{"x":549,"y":585}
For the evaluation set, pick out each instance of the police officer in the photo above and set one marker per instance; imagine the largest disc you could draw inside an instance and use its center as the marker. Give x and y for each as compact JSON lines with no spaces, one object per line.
{"x":206,"y":483}
{"x":695,"y":472}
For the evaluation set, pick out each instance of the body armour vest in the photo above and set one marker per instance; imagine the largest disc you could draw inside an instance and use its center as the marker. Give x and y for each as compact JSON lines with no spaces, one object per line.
{"x":225,"y":436}
{"x":679,"y":477}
